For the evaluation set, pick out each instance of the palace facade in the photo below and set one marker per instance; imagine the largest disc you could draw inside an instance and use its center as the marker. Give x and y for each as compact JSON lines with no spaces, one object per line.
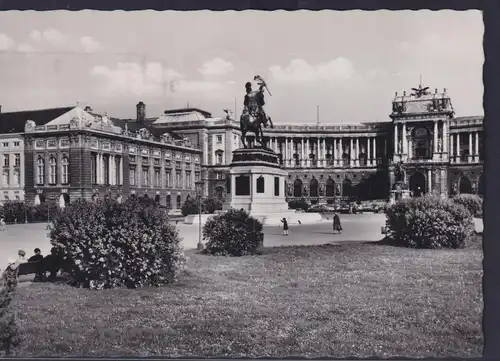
{"x":67,"y":153}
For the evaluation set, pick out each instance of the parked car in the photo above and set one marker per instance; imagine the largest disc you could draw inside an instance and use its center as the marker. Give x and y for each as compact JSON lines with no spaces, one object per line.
{"x":317,"y":209}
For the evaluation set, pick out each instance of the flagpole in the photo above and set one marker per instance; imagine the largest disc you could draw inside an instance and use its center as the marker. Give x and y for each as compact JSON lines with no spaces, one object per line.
{"x":235,"y":108}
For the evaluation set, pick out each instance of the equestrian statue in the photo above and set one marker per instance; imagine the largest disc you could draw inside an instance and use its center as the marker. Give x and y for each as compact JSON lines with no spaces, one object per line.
{"x":253,"y":115}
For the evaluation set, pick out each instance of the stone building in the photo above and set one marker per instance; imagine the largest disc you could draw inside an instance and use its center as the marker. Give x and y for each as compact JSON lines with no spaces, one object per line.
{"x":437,"y":152}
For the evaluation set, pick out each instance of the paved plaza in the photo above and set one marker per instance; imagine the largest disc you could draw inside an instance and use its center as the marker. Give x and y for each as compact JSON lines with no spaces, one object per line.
{"x":357,"y":228}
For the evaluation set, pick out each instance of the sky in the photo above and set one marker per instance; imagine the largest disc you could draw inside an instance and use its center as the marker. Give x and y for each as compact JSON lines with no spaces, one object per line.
{"x":349,"y":63}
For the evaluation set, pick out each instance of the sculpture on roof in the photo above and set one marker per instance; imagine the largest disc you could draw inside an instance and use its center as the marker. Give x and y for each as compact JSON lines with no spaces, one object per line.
{"x":166,"y":138}
{"x":253,"y":115}
{"x":418,"y":92}
{"x":144,"y":133}
{"x":228,"y":113}
{"x":29,"y":126}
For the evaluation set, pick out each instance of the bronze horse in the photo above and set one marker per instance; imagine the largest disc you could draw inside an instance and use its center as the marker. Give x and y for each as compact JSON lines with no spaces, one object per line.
{"x":249,"y":123}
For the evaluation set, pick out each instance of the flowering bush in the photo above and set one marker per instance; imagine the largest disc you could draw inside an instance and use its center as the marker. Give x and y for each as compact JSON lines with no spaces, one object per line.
{"x":471,"y":202}
{"x":429,"y":222}
{"x":107,"y":244}
{"x":233,"y":233}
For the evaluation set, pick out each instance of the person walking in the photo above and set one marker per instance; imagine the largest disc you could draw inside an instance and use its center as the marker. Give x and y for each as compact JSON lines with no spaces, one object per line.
{"x":337,"y":227}
{"x":285,"y":226}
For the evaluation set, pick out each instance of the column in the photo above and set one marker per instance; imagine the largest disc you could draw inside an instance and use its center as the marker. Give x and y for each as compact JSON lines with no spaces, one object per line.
{"x":470,"y":148}
{"x":404,"y":142}
{"x":435,"y":138}
{"x":452,"y":151}
{"x":457,"y":145}
{"x":111,"y":169}
{"x":369,"y":151}
{"x":324,"y":153}
{"x":410,"y":153}
{"x":99,"y":168}
{"x":351,"y":151}
{"x":429,"y":181}
{"x":443,"y":184}
{"x":375,"y":151}
{"x":476,"y":151}
{"x":308,"y":150}
{"x":121,"y":170}
{"x":302,"y":153}
{"x":445,"y":136}
{"x":286,"y":153}
{"x":396,"y":145}
{"x":334,"y":152}
{"x":356,"y":161}
{"x":318,"y":152}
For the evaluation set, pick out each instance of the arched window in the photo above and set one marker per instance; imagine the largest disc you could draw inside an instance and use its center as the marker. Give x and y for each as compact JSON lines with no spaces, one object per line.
{"x":65,"y":170}
{"x":52,"y":170}
{"x":40,"y":171}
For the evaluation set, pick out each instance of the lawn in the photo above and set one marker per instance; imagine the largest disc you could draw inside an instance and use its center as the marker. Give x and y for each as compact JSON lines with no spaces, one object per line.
{"x":350,"y":300}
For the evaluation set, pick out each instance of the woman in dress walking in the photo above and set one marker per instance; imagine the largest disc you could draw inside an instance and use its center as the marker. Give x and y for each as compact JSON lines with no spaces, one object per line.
{"x":285,"y":226}
{"x":337,"y":227}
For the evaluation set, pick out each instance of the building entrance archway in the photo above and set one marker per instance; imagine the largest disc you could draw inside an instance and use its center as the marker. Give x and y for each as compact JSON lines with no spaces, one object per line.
{"x":417,"y":184}
{"x":297,"y":188}
{"x":465,"y":186}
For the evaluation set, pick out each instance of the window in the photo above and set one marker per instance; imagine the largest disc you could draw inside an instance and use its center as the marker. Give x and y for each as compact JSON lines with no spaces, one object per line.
{"x":276,"y":186}
{"x":197,"y":176}
{"x":132,"y":176}
{"x":178,"y":179}
{"x":40,"y":171}
{"x":188,"y":179}
{"x":260,"y":184}
{"x":242,"y":186}
{"x":16,"y":144}
{"x":17,"y":160}
{"x":218,"y":156}
{"x":157,"y":178}
{"x":65,"y":170}
{"x":118,"y":179}
{"x":105,"y":168}
{"x":17,"y":177}
{"x":6,"y":177}
{"x":219,"y":139}
{"x":5,"y":144}
{"x":145,"y":177}
{"x":168,"y":177}
{"x":52,"y":170}
{"x":6,"y":160}
{"x":93,"y":168}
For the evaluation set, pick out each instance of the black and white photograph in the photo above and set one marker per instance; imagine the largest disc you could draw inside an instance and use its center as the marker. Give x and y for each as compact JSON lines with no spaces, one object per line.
{"x":241,"y":183}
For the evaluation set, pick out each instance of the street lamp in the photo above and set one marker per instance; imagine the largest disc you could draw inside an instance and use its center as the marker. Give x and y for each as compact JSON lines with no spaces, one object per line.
{"x":199,"y":192}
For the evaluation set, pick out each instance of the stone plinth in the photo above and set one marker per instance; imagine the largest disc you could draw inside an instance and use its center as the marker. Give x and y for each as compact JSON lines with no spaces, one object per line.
{"x":398,"y":194}
{"x":256,"y":183}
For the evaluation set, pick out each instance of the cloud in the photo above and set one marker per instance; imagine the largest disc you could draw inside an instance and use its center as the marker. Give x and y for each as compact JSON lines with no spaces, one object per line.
{"x":25,"y":48}
{"x":6,"y":42}
{"x":89,"y":44}
{"x":51,"y":36}
{"x":216,"y":67}
{"x":149,"y":80}
{"x":300,"y":70}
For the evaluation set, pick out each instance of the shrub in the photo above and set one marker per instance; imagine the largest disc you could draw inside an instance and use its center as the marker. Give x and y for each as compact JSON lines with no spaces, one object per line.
{"x":233,"y":233}
{"x":471,"y":202}
{"x":190,"y":206}
{"x":210,"y":205}
{"x":9,"y":331}
{"x":107,"y":244}
{"x":298,"y":204}
{"x":16,"y":211}
{"x":429,"y":222}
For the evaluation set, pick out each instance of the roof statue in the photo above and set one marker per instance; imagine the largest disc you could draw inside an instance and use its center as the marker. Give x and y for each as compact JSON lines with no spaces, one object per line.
{"x":228,"y":113}
{"x":29,"y":126}
{"x":253,"y":115}
{"x":418,"y":92}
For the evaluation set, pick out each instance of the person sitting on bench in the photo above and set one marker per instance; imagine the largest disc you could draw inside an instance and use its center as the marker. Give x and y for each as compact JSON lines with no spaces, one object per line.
{"x":40,"y":275}
{"x":52,"y":263}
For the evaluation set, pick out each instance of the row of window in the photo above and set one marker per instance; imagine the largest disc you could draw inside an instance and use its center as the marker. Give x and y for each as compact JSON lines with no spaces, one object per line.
{"x":54,"y":173}
{"x":17,"y":160}
{"x":157,"y":180}
{"x":16,"y":178}
{"x":16,"y":144}
{"x":106,"y":169}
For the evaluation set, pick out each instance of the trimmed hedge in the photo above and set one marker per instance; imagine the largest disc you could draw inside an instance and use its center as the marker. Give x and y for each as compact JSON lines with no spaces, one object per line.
{"x":473,"y":203}
{"x":233,"y":233}
{"x":16,"y":211}
{"x":298,"y":204}
{"x":107,"y":244}
{"x":10,"y":336}
{"x":208,"y":206}
{"x":429,"y":222}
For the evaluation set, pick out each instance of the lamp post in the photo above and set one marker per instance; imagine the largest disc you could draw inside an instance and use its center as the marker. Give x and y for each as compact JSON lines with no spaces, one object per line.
{"x":199,"y":192}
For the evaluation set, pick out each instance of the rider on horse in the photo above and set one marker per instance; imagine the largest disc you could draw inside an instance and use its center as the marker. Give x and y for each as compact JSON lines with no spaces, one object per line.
{"x":254,"y":102}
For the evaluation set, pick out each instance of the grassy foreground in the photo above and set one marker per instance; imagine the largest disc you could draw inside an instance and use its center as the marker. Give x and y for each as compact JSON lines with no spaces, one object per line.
{"x":337,"y":301}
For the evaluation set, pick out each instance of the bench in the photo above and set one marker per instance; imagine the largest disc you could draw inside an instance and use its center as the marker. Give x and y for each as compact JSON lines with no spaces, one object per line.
{"x":28,"y":268}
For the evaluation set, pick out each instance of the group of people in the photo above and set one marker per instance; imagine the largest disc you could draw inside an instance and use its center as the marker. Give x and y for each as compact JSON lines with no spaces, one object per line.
{"x":337,"y":226}
{"x":50,"y":263}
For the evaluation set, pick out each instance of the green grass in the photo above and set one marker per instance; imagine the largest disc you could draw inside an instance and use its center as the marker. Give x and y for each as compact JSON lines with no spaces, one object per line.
{"x":337,"y":301}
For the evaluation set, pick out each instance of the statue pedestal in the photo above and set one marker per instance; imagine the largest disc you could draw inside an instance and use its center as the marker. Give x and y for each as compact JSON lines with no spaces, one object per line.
{"x":256,"y":183}
{"x":398,"y":194}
